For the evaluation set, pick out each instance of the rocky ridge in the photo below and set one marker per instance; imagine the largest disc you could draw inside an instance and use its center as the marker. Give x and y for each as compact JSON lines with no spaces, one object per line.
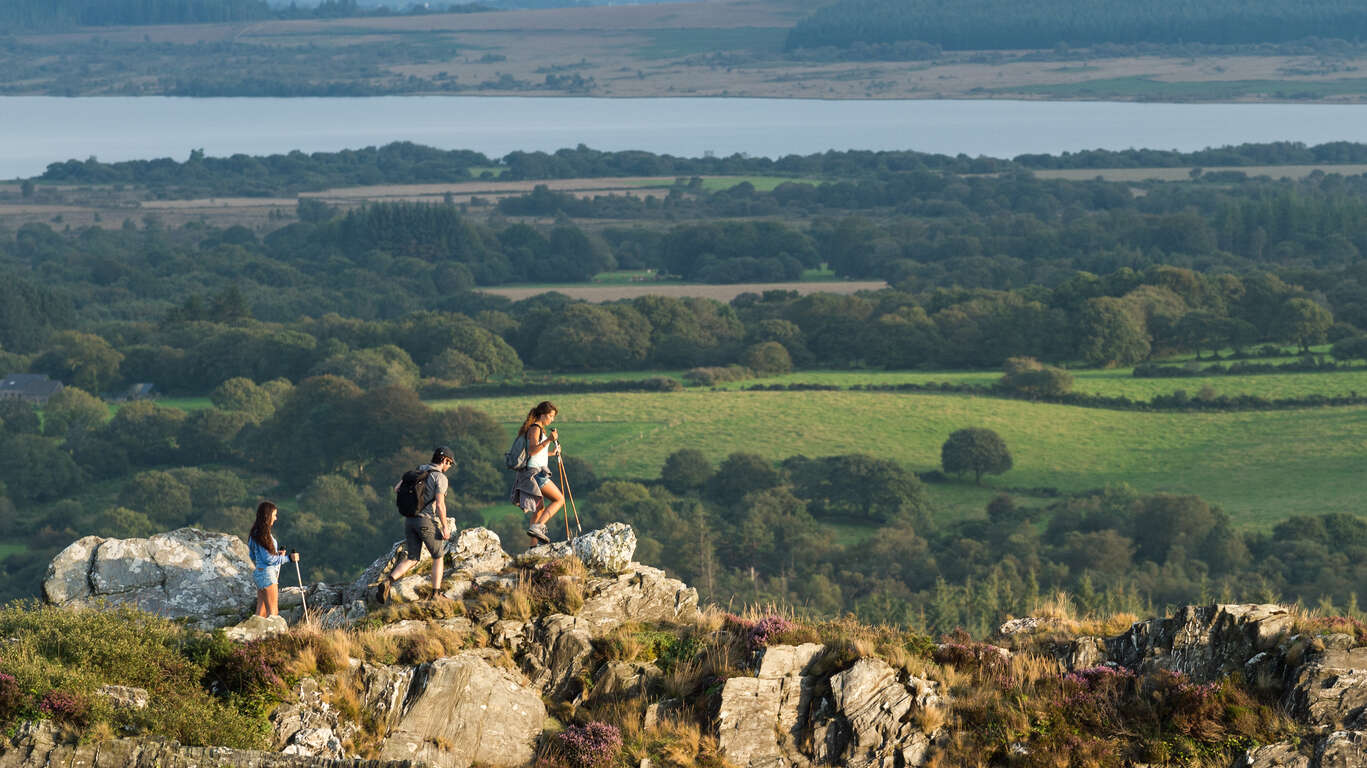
{"x":797,"y":705}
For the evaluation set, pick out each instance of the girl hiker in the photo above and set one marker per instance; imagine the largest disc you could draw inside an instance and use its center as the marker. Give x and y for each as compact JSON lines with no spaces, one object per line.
{"x":267,"y":557}
{"x":533,"y":484}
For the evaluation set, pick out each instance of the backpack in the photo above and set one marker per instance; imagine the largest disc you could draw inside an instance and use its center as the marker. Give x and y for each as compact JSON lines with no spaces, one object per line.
{"x":516,"y":457}
{"x":412,"y":488}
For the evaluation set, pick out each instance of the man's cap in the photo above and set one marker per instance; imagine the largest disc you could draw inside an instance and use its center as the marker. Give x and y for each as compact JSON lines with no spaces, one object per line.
{"x":444,"y":453}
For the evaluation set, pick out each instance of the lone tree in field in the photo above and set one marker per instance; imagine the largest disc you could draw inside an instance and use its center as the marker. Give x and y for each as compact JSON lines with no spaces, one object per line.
{"x":977,"y":450}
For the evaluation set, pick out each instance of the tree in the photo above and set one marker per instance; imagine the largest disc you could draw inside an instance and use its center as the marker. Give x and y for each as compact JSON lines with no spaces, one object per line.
{"x":1303,"y":322}
{"x":1352,"y":348}
{"x":767,"y":358}
{"x":72,"y":412}
{"x":685,"y":470}
{"x":1113,"y":333}
{"x":1029,"y":376}
{"x":242,"y":394}
{"x":977,"y":450}
{"x":82,"y":359}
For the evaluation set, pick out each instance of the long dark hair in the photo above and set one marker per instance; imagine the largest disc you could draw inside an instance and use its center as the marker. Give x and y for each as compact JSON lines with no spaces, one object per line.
{"x":261,"y":529}
{"x":540,"y":409}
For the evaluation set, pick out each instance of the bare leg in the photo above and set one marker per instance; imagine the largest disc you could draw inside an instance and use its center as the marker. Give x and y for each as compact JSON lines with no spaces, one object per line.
{"x":261,"y":603}
{"x":400,"y":569}
{"x":437,"y":564}
{"x":557,"y":501}
{"x":273,"y":599}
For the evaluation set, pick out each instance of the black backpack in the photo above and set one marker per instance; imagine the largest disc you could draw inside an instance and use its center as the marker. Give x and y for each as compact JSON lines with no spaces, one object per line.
{"x":412,"y":488}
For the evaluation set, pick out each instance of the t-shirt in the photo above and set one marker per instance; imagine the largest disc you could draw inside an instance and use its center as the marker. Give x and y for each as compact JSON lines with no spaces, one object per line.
{"x":436,"y":489}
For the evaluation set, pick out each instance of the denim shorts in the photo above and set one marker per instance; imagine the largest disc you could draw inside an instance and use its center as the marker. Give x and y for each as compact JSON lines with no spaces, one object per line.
{"x":266,"y":577}
{"x":542,"y":478}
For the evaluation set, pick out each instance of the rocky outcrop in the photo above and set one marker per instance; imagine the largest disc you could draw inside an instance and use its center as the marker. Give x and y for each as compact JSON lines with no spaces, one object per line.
{"x":257,"y":627}
{"x":474,"y":552}
{"x":641,"y":594}
{"x":461,"y":711}
{"x":870,"y":726}
{"x":38,"y":744}
{"x":762,"y":718}
{"x":1205,"y":642}
{"x":606,"y":550}
{"x":190,"y":574}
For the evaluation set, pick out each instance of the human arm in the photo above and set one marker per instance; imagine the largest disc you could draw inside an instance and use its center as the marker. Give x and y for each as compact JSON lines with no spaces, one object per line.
{"x":540,"y":439}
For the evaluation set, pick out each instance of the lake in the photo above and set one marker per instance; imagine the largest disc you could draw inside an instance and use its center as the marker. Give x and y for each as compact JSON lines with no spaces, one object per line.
{"x":37,"y":130}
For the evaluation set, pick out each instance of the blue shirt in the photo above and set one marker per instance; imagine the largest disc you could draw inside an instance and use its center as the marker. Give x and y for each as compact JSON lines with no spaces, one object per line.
{"x":261,"y":558}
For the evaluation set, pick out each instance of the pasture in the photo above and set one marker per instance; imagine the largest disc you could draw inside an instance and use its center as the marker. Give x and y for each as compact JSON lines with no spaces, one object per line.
{"x":1261,"y":467}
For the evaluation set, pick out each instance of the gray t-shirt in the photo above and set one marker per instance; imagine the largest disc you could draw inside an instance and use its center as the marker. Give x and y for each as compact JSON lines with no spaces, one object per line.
{"x":436,"y":488}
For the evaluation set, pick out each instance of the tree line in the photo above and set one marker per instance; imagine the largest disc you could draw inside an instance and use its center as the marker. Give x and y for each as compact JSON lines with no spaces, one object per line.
{"x":408,"y":163}
{"x":999,"y":25}
{"x":760,"y":532}
{"x":49,"y":15}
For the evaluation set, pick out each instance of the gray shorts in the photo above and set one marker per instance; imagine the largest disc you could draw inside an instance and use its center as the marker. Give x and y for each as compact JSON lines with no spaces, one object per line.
{"x":419,"y":532}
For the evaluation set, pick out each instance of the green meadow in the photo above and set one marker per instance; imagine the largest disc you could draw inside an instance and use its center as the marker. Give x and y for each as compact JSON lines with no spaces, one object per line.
{"x":1260,"y":467}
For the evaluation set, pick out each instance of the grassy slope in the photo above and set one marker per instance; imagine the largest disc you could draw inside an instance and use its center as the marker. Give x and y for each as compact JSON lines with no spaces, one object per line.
{"x":1261,"y":467}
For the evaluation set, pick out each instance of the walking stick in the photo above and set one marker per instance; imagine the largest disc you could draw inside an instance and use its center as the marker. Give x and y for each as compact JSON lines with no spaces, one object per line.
{"x":569,"y":496}
{"x":300,"y":577}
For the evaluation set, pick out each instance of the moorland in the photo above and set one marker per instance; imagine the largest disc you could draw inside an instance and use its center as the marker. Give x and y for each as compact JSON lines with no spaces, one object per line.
{"x":1174,"y":362}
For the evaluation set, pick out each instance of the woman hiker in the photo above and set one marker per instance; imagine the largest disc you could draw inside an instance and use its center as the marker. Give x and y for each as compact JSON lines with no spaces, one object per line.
{"x":533,"y":484}
{"x":267,"y":556}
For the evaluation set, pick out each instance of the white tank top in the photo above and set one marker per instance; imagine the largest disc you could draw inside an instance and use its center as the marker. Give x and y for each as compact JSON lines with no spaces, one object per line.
{"x":540,"y":459}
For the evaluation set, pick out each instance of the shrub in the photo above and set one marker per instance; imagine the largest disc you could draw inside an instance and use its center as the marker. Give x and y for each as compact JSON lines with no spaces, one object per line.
{"x":11,"y":698}
{"x":592,"y":745}
{"x":66,"y":707}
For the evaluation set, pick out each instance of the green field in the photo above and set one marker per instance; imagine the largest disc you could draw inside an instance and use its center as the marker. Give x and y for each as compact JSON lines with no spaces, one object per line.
{"x":1259,"y":466}
{"x":8,"y":549}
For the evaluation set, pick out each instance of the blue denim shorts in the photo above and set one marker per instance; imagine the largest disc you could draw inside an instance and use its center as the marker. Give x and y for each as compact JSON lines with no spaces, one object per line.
{"x":266,"y":577}
{"x":542,"y":478}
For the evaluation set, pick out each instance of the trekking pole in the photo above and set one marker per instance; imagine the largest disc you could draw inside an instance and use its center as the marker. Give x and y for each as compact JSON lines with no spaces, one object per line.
{"x":305,"y":600}
{"x":569,"y":496}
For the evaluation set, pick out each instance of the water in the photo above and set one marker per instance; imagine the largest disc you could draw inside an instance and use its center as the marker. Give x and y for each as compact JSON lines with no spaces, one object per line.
{"x":37,"y":130}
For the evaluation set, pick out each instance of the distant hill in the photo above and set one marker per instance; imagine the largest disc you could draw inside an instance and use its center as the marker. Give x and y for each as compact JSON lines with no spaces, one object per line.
{"x":999,"y":24}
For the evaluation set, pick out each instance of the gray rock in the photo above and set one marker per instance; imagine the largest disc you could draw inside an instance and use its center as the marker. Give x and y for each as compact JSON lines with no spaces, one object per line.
{"x":309,"y":725}
{"x":257,"y":627}
{"x":608,"y":549}
{"x":761,"y":718}
{"x":642,"y":594}
{"x":543,"y":554}
{"x":1275,"y":756}
{"x":38,"y":745}
{"x":68,"y":575}
{"x":188,"y":573}
{"x":1330,"y":690}
{"x":1204,"y":642}
{"x":624,"y":678}
{"x":1344,"y":749}
{"x":124,"y":697}
{"x":478,"y":550}
{"x":461,"y":711}
{"x":875,"y":705}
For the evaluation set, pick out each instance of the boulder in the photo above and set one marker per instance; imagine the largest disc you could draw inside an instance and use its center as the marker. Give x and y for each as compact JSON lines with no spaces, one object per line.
{"x":124,"y":697}
{"x":1204,"y":642}
{"x":642,"y":594}
{"x":257,"y":627}
{"x":1330,"y":690}
{"x":873,"y":705}
{"x":309,"y":725}
{"x":185,"y":574}
{"x":606,"y":550}
{"x":761,"y":719}
{"x":461,"y":711}
{"x":625,"y":678}
{"x":478,"y":551}
{"x":560,"y":646}
{"x":1344,"y":749}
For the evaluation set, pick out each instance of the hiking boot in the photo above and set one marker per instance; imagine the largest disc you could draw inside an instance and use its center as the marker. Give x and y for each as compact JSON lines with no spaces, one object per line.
{"x":538,"y":532}
{"x":382,"y":590}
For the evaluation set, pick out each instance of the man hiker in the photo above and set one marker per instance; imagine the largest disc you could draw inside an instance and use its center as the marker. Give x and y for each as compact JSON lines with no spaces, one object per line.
{"x":428,"y":528}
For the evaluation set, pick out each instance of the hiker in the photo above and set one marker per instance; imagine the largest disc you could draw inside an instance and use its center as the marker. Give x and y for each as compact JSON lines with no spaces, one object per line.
{"x":428,"y":527}
{"x":533,"y":485}
{"x":267,"y":556}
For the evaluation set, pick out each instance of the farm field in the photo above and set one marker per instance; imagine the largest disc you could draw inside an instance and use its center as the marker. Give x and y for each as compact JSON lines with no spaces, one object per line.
{"x":1109,"y":382}
{"x":726,"y":292}
{"x":1261,"y":467}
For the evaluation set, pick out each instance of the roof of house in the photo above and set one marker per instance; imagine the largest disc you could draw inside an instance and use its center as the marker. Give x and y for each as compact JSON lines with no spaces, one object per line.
{"x":29,"y":383}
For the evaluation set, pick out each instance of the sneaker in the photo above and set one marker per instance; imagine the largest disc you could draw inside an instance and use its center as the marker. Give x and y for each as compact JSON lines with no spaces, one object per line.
{"x":538,"y":532}
{"x":382,"y":590}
